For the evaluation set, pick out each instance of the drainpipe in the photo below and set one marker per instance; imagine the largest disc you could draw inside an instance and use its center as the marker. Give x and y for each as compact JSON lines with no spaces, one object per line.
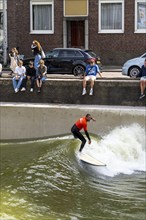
{"x":5,"y":32}
{"x":86,"y":34}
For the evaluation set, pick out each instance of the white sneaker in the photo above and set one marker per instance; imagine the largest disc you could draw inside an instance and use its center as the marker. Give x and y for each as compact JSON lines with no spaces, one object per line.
{"x":23,"y":89}
{"x":142,"y":96}
{"x":31,"y":90}
{"x":84,"y":91}
{"x":91,"y":92}
{"x":16,"y":90}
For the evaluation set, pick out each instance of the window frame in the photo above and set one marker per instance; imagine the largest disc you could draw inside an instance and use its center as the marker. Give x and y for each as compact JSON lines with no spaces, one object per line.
{"x":109,"y":31}
{"x":136,"y":17}
{"x":39,"y":2}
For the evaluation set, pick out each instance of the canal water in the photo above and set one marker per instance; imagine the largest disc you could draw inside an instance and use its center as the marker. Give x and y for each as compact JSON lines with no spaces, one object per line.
{"x":45,"y":180}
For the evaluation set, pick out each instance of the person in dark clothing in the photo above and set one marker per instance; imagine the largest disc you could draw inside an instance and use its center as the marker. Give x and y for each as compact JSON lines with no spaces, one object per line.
{"x":82,"y":124}
{"x":142,"y":76}
{"x":30,"y":75}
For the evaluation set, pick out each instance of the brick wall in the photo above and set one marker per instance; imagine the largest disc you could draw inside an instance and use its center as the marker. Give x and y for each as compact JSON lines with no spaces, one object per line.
{"x":114,"y":49}
{"x":19,"y":27}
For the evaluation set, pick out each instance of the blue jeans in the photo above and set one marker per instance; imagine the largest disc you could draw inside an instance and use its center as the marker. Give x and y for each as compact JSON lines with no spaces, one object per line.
{"x":17,"y":82}
{"x":36,"y":61}
{"x":43,"y":78}
{"x":32,"y":80}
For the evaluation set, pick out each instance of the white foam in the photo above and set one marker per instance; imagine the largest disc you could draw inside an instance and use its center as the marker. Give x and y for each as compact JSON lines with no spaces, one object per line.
{"x":7,"y":217}
{"x":123,"y":150}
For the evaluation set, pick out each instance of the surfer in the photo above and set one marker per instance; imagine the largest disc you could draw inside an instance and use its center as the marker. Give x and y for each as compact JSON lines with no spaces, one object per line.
{"x":82,"y":124}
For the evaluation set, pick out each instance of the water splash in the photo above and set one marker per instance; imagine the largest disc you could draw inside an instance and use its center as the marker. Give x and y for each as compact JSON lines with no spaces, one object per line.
{"x":123,"y":150}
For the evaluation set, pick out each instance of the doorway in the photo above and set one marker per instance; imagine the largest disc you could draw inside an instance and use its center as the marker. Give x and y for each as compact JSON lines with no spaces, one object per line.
{"x":76,"y":34}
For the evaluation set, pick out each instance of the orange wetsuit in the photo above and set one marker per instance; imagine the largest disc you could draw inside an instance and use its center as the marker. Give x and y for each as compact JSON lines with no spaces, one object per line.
{"x":82,"y":123}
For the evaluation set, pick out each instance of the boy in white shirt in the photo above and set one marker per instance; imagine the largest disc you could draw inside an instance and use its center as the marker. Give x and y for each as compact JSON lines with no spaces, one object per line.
{"x":20,"y":71}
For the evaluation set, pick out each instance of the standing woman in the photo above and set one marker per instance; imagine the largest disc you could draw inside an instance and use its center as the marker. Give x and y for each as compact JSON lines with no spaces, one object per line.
{"x":36,"y":48}
{"x":14,"y":58}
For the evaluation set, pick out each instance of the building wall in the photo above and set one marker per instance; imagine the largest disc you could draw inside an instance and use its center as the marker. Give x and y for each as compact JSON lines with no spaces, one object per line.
{"x":1,"y":31}
{"x":114,"y":49}
{"x":19,"y":27}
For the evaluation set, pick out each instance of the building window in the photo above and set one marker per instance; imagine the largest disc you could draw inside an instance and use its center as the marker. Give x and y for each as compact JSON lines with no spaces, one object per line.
{"x":111,"y":16}
{"x":140,"y":16}
{"x":42,"y":16}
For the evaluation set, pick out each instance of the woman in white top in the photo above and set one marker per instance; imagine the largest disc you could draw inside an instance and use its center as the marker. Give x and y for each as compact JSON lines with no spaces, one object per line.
{"x":14,"y":57}
{"x":20,"y":71}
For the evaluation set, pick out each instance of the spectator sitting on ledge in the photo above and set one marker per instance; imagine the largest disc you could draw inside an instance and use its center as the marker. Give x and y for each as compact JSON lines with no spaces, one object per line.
{"x":91,"y":72}
{"x":41,"y":75}
{"x":142,"y":76}
{"x":30,"y":75}
{"x":19,"y":76}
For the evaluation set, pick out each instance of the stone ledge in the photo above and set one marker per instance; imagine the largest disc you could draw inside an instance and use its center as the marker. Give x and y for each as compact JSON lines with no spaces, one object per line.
{"x":68,"y":91}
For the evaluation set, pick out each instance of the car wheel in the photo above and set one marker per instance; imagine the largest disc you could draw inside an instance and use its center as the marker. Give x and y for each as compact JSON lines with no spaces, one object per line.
{"x":78,"y":70}
{"x":134,"y":71}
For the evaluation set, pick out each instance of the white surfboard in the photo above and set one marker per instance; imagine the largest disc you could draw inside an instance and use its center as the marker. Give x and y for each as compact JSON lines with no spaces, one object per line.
{"x":90,"y":160}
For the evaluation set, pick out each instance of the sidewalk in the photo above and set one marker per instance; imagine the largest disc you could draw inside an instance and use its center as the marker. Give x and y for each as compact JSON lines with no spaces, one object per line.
{"x":112,"y":69}
{"x":105,"y":69}
{"x":112,"y":72}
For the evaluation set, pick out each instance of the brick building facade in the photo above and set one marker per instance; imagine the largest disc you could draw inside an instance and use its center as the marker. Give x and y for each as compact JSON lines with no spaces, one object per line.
{"x":79,"y":23}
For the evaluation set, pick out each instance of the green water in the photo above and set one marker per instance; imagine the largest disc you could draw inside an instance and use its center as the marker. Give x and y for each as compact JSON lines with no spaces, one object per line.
{"x":45,"y":180}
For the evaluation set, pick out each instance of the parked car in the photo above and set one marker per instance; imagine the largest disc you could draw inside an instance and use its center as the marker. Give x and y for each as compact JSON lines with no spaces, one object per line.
{"x":132,"y":67}
{"x":65,"y":60}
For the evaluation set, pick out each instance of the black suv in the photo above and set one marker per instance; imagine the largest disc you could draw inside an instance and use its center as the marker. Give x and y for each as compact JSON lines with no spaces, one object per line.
{"x":65,"y":60}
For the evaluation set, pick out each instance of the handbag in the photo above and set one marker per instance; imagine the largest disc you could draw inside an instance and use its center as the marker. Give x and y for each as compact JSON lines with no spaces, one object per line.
{"x":42,"y":54}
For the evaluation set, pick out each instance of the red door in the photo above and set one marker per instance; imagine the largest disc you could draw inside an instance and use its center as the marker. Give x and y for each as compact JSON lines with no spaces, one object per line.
{"x":77,"y":34}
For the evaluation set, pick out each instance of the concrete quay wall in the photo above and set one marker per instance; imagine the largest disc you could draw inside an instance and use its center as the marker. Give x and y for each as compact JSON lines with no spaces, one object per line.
{"x":124,"y":92}
{"x":25,"y":121}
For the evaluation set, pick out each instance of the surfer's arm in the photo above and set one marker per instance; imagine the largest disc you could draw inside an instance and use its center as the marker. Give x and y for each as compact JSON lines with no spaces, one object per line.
{"x":93,"y":119}
{"x":87,"y":135}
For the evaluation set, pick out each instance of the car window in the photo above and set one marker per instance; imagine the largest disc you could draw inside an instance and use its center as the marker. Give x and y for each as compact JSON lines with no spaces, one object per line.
{"x":70,"y":53}
{"x":91,"y":53}
{"x":144,"y":55}
{"x":52,"y":53}
{"x":49,"y":53}
{"x":55,"y":53}
{"x":63,"y":53}
{"x":78,"y":53}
